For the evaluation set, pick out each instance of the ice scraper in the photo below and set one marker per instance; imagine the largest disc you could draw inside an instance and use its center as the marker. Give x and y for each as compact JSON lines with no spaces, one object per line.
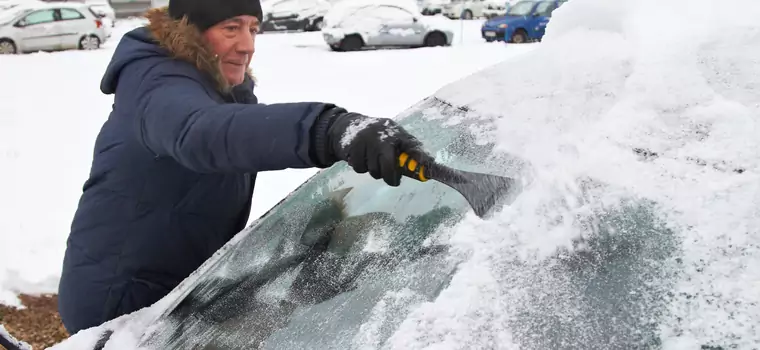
{"x":482,"y":191}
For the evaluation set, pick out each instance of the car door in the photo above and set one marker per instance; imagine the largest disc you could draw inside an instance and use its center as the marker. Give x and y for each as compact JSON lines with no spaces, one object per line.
{"x":540,"y":19}
{"x":399,"y":27}
{"x":72,"y":25}
{"x":38,"y":31}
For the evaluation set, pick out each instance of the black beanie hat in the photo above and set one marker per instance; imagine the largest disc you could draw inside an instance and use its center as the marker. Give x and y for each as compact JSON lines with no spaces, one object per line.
{"x":206,"y":13}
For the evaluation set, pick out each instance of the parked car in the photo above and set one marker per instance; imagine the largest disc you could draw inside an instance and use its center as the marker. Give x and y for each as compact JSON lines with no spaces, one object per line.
{"x":385,"y":26}
{"x":431,"y":7}
{"x":50,"y":27}
{"x":306,"y":15}
{"x":526,"y":21}
{"x":467,"y":9}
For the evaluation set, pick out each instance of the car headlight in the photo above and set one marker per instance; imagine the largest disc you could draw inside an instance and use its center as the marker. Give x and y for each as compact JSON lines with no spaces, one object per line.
{"x":503,"y":25}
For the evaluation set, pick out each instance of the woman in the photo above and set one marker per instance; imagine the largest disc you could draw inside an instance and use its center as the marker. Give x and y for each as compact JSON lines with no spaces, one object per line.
{"x":175,"y":163}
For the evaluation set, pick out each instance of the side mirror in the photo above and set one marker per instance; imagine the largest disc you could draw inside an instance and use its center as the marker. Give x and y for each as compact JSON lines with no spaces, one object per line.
{"x":20,"y":24}
{"x":415,"y":19}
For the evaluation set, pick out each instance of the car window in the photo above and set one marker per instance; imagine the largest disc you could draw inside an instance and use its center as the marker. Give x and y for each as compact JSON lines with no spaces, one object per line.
{"x":522,"y":8}
{"x":372,"y":18}
{"x":70,"y":14}
{"x":380,"y":15}
{"x":545,"y":8}
{"x":391,"y":14}
{"x":274,"y":282}
{"x":38,"y":17}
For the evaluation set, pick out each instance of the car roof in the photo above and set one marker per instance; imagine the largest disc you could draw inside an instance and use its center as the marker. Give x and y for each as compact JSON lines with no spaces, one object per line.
{"x":41,"y":5}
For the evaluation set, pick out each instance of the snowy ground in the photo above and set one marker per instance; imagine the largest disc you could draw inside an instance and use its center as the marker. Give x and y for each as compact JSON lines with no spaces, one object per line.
{"x":52,"y":110}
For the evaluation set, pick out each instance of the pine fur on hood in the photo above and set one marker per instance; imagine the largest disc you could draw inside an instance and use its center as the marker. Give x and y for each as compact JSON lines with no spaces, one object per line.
{"x":185,"y":42}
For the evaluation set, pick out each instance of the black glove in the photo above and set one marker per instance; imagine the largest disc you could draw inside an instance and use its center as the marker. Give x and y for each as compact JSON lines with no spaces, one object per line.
{"x":368,"y":144}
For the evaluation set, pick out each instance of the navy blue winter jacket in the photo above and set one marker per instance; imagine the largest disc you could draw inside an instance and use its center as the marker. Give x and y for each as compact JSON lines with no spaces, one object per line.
{"x":173,"y":172}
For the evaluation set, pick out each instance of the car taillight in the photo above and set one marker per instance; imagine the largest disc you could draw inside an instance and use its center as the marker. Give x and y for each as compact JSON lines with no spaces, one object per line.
{"x":98,"y":23}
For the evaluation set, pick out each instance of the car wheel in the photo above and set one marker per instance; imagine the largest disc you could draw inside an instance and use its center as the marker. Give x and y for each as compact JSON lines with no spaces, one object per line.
{"x":317,"y":25}
{"x":7,"y":47}
{"x":435,"y":39}
{"x":89,"y":42}
{"x":467,"y":14}
{"x":519,"y":37}
{"x":351,"y":43}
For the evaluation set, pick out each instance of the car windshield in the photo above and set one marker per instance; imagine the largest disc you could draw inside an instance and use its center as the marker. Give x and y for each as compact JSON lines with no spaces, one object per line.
{"x":283,"y":285}
{"x":522,"y":8}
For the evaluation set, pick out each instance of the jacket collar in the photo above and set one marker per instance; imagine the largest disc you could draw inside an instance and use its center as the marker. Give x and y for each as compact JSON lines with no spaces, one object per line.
{"x":184,"y":41}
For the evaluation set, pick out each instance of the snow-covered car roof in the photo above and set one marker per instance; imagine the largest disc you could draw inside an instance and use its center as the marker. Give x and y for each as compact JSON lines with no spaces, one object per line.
{"x":295,"y":6}
{"x":341,"y":10}
{"x":637,"y":225}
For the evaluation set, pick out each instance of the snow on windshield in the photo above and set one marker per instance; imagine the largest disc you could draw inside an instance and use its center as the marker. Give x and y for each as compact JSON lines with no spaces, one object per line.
{"x":667,"y":114}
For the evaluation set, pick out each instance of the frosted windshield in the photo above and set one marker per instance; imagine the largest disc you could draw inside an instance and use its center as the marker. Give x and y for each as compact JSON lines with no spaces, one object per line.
{"x":281,"y":287}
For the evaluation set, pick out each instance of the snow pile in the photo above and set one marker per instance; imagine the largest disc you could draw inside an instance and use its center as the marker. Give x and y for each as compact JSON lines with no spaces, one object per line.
{"x":666,"y":113}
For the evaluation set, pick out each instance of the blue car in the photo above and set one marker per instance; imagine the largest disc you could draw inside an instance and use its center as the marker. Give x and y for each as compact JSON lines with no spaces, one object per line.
{"x":524,"y":22}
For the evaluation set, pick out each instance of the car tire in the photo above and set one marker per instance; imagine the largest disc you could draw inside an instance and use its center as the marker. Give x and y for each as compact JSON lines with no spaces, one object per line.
{"x":519,"y":37}
{"x":435,"y":39}
{"x":8,"y":47}
{"x":317,"y":25}
{"x":89,"y":42}
{"x":351,"y":43}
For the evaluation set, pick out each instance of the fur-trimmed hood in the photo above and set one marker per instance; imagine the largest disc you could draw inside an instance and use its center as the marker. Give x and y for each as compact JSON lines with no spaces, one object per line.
{"x":185,"y":42}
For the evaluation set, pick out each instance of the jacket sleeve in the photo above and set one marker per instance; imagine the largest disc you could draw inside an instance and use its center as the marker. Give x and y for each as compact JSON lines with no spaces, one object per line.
{"x":177,"y":118}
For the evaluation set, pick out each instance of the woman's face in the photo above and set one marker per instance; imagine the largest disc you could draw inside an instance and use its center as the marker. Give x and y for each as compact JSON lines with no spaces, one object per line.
{"x":233,"y":41}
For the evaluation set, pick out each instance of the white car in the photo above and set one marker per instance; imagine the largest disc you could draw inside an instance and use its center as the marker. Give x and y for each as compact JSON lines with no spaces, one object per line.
{"x":50,"y":27}
{"x":384,"y":25}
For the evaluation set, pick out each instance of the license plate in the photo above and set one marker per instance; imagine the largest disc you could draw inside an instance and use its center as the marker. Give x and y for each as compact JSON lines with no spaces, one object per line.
{"x":491,"y":34}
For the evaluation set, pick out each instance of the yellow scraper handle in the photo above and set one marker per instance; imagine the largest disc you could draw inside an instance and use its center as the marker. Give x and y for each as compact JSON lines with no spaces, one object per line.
{"x":411,"y":168}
